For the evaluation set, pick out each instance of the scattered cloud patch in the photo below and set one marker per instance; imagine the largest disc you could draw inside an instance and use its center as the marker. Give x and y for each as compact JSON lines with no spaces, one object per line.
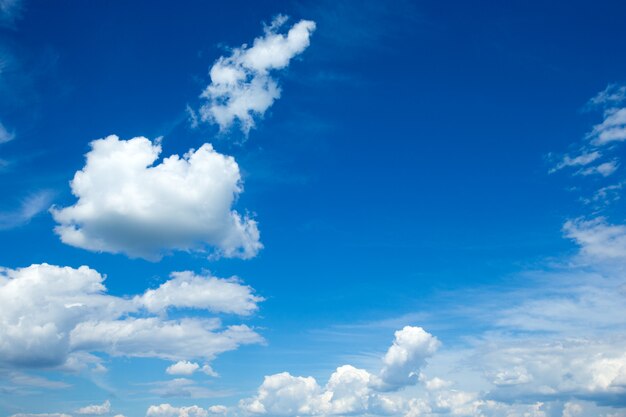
{"x":96,"y":409}
{"x":166,"y":410}
{"x":605,"y":169}
{"x":127,"y":204}
{"x":597,"y":238}
{"x":612,"y":128}
{"x":613,"y":95}
{"x":58,"y":316}
{"x":243,"y":85}
{"x":349,"y":390}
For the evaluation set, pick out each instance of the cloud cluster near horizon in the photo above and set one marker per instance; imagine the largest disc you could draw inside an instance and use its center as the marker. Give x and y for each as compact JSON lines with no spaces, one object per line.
{"x":128,"y":203}
{"x":242,"y":85}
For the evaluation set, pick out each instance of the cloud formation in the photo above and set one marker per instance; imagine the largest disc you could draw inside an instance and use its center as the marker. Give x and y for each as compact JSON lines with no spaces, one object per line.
{"x":242,"y":84}
{"x":96,"y":409}
{"x":5,"y":135}
{"x":349,"y":390}
{"x":128,"y":204}
{"x":167,"y":410}
{"x":30,"y":207}
{"x":55,"y":316}
{"x":9,"y":11}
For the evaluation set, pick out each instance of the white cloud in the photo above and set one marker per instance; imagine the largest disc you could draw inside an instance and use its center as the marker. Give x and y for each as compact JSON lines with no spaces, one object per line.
{"x":166,"y":410}
{"x":127,"y":204}
{"x":57,"y":316}
{"x":182,"y":368}
{"x":612,"y":128}
{"x":406,"y":356}
{"x":5,"y":135}
{"x":218,"y":409}
{"x":96,"y":409}
{"x":187,"y":290}
{"x":30,"y":207}
{"x":583,"y":159}
{"x":605,"y":169}
{"x":242,"y":86}
{"x":597,"y":238}
{"x":611,"y":96}
{"x":349,"y":390}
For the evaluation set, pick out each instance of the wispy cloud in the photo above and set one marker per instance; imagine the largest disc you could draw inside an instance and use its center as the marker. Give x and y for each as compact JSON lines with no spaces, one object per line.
{"x":10,"y":11}
{"x":31,"y":206}
{"x":5,"y":135}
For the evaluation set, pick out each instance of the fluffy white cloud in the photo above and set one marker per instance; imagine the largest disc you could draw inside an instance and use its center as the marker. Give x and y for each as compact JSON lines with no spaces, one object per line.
{"x":56,"y":316}
{"x":166,"y":410}
{"x":406,"y":356}
{"x":349,"y":390}
{"x":96,"y":409}
{"x":128,"y":204}
{"x":189,"y":368}
{"x":182,"y":368}
{"x":242,"y":86}
{"x":188,"y":290}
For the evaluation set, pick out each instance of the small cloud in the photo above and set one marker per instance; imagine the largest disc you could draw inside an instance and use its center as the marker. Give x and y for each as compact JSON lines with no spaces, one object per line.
{"x":182,"y":368}
{"x":605,"y":169}
{"x":580,"y":160}
{"x":96,"y":410}
{"x":5,"y":135}
{"x":30,"y":207}
{"x":613,"y":95}
{"x":242,"y":86}
{"x":612,"y":128}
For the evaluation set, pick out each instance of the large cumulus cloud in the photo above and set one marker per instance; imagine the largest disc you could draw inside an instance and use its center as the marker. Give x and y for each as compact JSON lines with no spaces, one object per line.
{"x":128,"y":204}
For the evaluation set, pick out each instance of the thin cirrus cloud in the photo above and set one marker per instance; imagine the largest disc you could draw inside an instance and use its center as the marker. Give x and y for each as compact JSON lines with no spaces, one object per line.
{"x":60,"y":316}
{"x":602,"y":137}
{"x":242,"y":85}
{"x":5,"y":135}
{"x":30,"y":207}
{"x":9,"y":11}
{"x":128,"y":204}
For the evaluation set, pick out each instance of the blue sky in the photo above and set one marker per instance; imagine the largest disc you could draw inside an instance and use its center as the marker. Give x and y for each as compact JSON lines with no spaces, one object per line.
{"x":324,"y":208}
